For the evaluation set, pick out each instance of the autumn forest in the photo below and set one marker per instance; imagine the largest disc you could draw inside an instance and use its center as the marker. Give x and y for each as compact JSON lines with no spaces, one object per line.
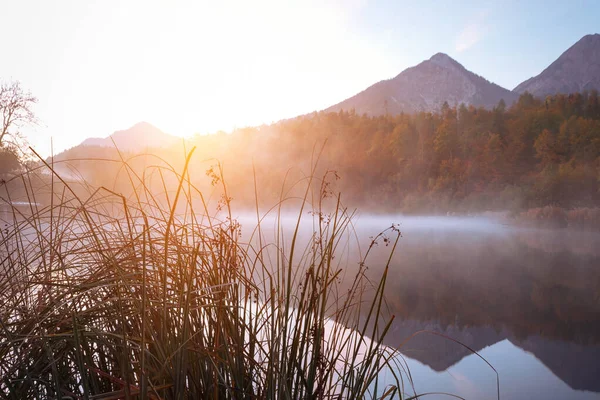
{"x":535,"y":153}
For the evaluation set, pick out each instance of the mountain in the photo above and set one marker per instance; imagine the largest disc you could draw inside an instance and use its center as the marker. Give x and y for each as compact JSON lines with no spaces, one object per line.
{"x":426,"y":87}
{"x":576,"y":364}
{"x":137,"y":138}
{"x":576,"y":70}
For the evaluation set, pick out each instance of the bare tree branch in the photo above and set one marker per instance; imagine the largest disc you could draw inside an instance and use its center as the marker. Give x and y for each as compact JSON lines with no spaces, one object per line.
{"x":16,"y":111}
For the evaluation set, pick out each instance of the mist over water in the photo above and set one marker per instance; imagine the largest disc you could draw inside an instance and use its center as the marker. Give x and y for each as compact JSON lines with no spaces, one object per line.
{"x":526,"y":299}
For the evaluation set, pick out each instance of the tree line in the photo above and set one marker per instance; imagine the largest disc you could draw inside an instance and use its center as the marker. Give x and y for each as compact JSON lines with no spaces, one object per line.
{"x":538,"y":152}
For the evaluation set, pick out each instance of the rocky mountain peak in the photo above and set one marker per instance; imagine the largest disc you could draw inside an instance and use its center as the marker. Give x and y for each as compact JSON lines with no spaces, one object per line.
{"x":591,"y":38}
{"x":425,"y":87}
{"x":576,"y":70}
{"x":444,"y":60}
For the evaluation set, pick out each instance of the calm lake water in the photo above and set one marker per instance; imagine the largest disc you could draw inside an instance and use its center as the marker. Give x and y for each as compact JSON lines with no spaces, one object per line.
{"x":527,"y":300}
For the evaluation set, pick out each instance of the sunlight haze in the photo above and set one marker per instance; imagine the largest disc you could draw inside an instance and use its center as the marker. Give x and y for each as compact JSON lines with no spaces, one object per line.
{"x":199,"y":67}
{"x":300,"y":199}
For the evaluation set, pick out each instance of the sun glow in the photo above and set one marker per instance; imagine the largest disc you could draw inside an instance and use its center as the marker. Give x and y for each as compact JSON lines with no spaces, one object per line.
{"x":194,"y":67}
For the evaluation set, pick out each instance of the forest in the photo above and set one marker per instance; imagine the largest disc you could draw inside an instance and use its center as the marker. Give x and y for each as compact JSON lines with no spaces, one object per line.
{"x":536,"y":153}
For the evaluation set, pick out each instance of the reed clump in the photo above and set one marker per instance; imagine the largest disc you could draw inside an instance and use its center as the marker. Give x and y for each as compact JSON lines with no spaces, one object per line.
{"x":154,"y":295}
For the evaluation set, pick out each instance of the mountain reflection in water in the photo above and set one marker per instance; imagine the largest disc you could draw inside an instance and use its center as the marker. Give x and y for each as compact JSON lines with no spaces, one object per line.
{"x":486,"y":284}
{"x":527,"y":300}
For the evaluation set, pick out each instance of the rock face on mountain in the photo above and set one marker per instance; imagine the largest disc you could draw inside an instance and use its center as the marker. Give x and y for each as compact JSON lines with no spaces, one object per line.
{"x":137,"y":138}
{"x":426,"y":87}
{"x":576,"y":70}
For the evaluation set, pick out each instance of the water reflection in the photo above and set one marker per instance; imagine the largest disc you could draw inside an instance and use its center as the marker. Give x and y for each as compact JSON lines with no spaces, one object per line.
{"x":527,"y":300}
{"x":510,"y":293}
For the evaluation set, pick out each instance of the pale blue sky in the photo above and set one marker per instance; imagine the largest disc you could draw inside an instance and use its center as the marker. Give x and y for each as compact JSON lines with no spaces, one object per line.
{"x":194,"y":66}
{"x":506,"y":41}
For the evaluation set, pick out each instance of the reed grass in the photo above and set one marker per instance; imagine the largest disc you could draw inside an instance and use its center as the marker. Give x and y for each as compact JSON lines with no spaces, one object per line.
{"x":155,"y":295}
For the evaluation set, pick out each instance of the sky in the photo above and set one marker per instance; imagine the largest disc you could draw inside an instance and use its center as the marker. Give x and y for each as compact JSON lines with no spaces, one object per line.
{"x":192,"y":67}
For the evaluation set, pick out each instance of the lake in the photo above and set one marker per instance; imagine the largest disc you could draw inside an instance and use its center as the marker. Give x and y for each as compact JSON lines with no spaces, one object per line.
{"x":527,"y":300}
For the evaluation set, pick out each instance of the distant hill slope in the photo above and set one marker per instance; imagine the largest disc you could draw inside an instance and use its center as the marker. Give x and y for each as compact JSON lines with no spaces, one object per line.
{"x":576,"y":70}
{"x":142,"y":137}
{"x":135,"y":139}
{"x":426,"y":87}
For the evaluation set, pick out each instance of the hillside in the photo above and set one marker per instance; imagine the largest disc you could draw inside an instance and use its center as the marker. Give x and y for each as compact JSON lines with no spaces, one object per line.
{"x":576,"y":70}
{"x":136,"y":138}
{"x":426,"y":87}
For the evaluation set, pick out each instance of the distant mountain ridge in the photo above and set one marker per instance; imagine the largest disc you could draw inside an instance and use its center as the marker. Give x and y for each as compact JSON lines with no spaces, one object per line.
{"x":425,"y":87}
{"x":576,"y":70}
{"x":137,"y":138}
